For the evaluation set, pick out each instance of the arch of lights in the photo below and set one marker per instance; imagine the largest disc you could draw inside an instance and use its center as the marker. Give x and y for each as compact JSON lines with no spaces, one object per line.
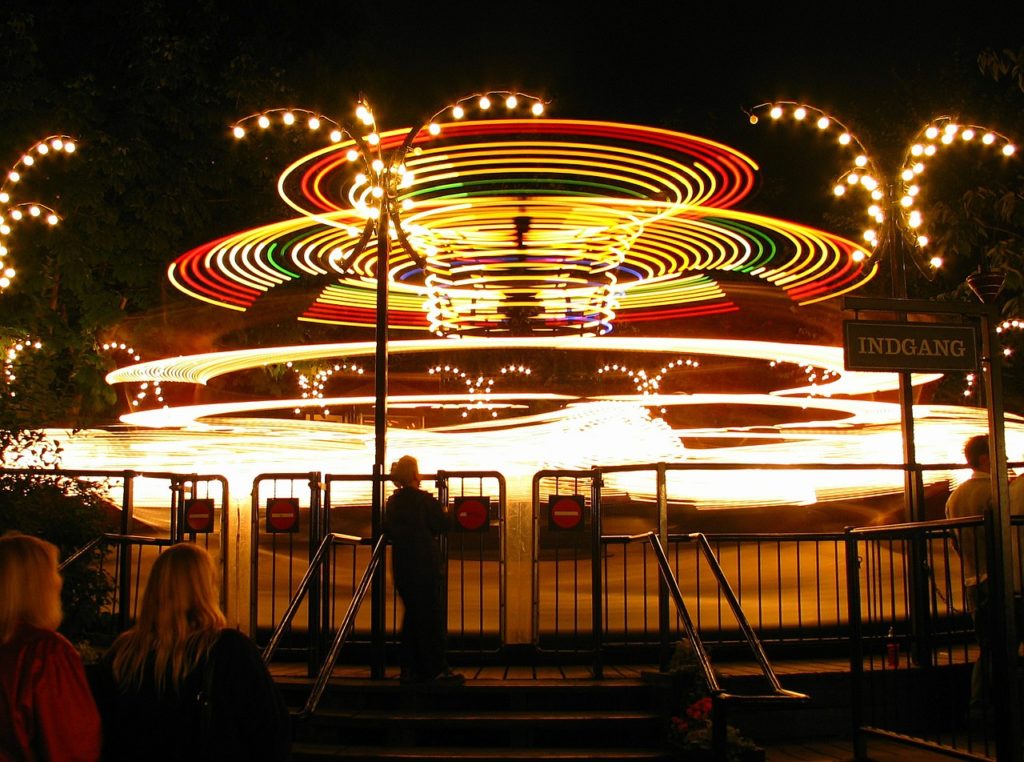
{"x":539,"y":234}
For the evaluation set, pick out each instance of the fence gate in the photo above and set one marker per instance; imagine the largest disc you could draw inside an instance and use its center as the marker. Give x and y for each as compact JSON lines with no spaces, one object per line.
{"x":286,"y":530}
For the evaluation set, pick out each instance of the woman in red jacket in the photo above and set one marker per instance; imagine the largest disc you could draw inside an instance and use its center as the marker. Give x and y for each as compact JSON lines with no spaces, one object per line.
{"x":46,"y":708}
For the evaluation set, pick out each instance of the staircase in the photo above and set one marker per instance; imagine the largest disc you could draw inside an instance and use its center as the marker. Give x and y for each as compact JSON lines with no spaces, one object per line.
{"x":570,"y":719}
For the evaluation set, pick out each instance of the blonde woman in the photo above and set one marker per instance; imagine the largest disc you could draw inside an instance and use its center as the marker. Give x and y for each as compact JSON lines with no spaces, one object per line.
{"x":180,"y":685}
{"x":46,"y":708}
{"x":412,"y":519}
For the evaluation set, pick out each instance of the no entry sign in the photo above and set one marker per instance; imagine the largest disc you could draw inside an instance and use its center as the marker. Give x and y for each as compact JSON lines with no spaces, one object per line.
{"x":565,"y":511}
{"x":472,"y":514}
{"x":282,"y":514}
{"x":199,"y":515}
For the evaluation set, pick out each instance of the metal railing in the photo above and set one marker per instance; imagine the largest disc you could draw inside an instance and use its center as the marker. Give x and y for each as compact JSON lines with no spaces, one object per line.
{"x":721,"y":699}
{"x":920,"y":679}
{"x":320,"y":558}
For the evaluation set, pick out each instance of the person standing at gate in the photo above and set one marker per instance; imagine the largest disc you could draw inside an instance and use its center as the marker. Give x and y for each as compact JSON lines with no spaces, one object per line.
{"x":413,"y":519}
{"x":180,"y":685}
{"x":973,"y":498}
{"x":46,"y":708}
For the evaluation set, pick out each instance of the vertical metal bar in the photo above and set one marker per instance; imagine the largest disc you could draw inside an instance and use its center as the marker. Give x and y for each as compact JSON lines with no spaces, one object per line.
{"x":665,"y":643}
{"x":596,"y":582}
{"x":315,"y":652}
{"x":380,"y":431}
{"x":124,"y":571}
{"x":1004,"y":643}
{"x":254,"y":553}
{"x":856,"y":648}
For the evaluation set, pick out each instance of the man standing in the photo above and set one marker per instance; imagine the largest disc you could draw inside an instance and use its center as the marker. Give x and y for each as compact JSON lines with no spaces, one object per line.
{"x":973,"y":498}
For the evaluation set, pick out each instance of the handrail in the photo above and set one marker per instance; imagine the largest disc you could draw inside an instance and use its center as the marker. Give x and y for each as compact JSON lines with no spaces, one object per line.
{"x":132,"y":539}
{"x":344,"y":629}
{"x":303,"y":588}
{"x":748,"y":632}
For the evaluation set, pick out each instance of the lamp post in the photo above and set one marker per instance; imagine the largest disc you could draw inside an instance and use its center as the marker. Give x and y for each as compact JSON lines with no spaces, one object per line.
{"x":901,"y":237}
{"x":384,"y":174}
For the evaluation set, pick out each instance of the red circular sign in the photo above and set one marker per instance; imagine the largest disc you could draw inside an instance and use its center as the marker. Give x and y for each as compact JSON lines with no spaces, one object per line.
{"x":471,"y":513}
{"x":199,"y":515}
{"x":283,"y":514}
{"x":566,"y":512}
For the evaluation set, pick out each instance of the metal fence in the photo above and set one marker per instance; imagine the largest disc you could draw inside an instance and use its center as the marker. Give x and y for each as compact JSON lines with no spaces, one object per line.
{"x":916,"y":667}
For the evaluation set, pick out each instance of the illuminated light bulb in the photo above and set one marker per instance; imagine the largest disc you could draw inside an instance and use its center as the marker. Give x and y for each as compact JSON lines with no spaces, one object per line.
{"x":907,"y":175}
{"x":947,"y":138}
{"x":313,"y":123}
{"x":57,"y":144}
{"x":869,"y":182}
{"x":857,"y":256}
{"x":373,"y":138}
{"x":238,"y":132}
{"x":1009,"y":149}
{"x":936,"y":262}
{"x":853,"y":178}
{"x":844,"y":139}
{"x":34,"y":211}
{"x":263,"y":121}
{"x":913,"y":190}
{"x":879,"y":218}
{"x":485,"y":103}
{"x":352,"y":154}
{"x":52,"y":219}
{"x":776,"y":112}
{"x":861,"y":160}
{"x":799,"y":113}
{"x":839,"y":190}
{"x":511,"y":102}
{"x":537,"y":109}
{"x":377,"y":165}
{"x":870,"y":235}
{"x":914,"y":220}
{"x":458,"y":112}
{"x":43,"y":149}
{"x":4,"y":197}
{"x":4,"y":282}
{"x":988,"y":138}
{"x":918,"y":168}
{"x":28,"y":161}
{"x":950,"y":129}
{"x":407,"y":204}
{"x":360,"y":178}
{"x":929,"y":150}
{"x":932,"y":132}
{"x":967,"y":134}
{"x":13,"y":176}
{"x":434,"y":129}
{"x":906,"y":202}
{"x":874,"y":210}
{"x":335,"y":136}
{"x":363,"y":115}
{"x":823,"y":123}
{"x":16,"y":214}
{"x":5,"y":229}
{"x":917,"y":149}
{"x":69,"y":147}
{"x":288,"y":118}
{"x":922,"y":241}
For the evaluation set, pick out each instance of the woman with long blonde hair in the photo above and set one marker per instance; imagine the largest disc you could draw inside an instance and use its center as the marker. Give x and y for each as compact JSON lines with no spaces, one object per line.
{"x":47,"y":711}
{"x":180,"y":685}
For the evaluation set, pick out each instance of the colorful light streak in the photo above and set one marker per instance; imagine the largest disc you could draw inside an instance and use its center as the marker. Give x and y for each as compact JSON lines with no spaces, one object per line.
{"x":568,"y":226}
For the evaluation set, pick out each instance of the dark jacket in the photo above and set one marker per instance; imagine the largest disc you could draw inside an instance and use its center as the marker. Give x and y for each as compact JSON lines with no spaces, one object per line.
{"x":248,"y":719}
